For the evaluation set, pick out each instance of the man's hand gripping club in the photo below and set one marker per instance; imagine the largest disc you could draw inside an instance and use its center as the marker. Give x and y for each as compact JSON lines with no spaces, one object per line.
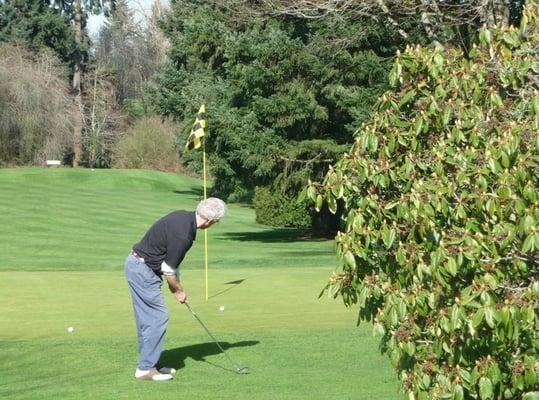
{"x":176,"y":288}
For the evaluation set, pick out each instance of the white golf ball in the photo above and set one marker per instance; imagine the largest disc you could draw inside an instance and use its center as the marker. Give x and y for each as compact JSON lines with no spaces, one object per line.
{"x":221,"y":308}
{"x":70,"y":329}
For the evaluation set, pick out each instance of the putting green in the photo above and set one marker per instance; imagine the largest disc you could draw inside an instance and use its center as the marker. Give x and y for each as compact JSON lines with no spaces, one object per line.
{"x":65,"y":237}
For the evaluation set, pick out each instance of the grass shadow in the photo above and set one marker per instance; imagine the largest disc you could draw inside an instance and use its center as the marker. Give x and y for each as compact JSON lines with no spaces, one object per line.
{"x":175,"y":358}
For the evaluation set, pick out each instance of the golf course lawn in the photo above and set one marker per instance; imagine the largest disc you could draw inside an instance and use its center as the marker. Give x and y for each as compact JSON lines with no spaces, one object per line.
{"x":65,"y":235}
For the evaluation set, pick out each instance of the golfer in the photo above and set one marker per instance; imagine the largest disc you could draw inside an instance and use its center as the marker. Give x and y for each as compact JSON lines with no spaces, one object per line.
{"x":159,"y":255}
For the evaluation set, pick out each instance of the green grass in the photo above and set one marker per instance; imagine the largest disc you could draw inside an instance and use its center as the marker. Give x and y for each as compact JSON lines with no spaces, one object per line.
{"x":65,"y":234}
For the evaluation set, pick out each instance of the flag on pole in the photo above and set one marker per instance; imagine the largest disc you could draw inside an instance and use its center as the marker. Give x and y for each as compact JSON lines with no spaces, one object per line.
{"x":194,"y":141}
{"x":197,"y":133}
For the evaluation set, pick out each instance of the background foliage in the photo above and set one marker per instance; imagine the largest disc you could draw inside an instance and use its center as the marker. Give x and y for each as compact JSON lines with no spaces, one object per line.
{"x":282,"y":94}
{"x":440,"y":246}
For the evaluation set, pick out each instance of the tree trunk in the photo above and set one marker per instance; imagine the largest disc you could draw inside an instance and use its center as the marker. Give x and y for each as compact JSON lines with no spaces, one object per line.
{"x":77,"y":75}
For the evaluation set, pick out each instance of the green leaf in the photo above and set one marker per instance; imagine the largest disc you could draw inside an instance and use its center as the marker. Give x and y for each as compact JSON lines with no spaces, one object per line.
{"x":485,"y":389}
{"x":332,"y":205}
{"x":529,"y":244}
{"x":407,"y":97}
{"x":311,"y":193}
{"x":505,"y":160}
{"x":495,"y":99}
{"x":455,"y":314}
{"x":489,"y":317}
{"x":391,"y":205}
{"x":511,"y":38}
{"x":508,"y":394}
{"x":531,"y":396}
{"x":485,"y":36}
{"x":425,"y":381}
{"x":458,"y":392}
{"x":409,"y":347}
{"x":530,"y":377}
{"x":319,"y":202}
{"x":447,"y":115}
{"x":337,"y":190}
{"x":301,"y":196}
{"x":389,"y":237}
{"x":465,"y":375}
{"x":478,"y":317}
{"x":451,"y":266}
{"x":379,"y":330}
{"x":528,"y":223}
{"x":418,"y":125}
{"x":363,"y":294}
{"x":350,"y":260}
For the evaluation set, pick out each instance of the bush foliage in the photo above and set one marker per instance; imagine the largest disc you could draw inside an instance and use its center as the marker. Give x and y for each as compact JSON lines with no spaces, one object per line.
{"x":440,"y":246}
{"x":278,"y":209}
{"x":150,"y":144}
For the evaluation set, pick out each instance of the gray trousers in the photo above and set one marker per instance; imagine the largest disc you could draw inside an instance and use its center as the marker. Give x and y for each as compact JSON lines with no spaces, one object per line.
{"x":151,"y":315}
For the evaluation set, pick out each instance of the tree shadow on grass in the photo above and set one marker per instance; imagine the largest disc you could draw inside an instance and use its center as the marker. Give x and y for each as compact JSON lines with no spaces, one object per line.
{"x":175,"y":358}
{"x":274,"y":236}
{"x":191,"y":191}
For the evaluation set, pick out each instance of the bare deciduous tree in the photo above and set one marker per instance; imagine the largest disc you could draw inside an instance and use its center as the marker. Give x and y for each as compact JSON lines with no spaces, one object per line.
{"x":132,"y":49}
{"x":77,"y":76}
{"x":36,"y":108}
{"x":434,"y":16}
{"x":104,"y":119}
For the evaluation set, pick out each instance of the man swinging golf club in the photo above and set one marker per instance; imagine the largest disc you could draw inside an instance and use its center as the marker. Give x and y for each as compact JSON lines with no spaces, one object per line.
{"x":159,"y":255}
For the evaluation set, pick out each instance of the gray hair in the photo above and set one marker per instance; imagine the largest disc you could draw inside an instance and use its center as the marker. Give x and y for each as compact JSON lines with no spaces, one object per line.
{"x":212,"y":209}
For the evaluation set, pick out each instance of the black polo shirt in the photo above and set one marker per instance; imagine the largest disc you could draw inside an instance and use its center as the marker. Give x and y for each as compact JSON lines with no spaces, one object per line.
{"x":168,"y":240}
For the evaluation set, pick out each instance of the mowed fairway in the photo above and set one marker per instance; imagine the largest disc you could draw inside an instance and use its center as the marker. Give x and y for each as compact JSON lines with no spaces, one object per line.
{"x":63,"y":240}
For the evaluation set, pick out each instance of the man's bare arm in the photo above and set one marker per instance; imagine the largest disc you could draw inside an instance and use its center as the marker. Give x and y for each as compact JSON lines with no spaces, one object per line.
{"x":176,"y":288}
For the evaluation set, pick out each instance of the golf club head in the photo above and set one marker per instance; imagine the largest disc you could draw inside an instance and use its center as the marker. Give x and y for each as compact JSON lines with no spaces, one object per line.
{"x":242,"y":370}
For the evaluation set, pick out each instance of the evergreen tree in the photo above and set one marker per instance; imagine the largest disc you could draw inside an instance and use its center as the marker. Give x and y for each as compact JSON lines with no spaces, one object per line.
{"x":282,"y":95}
{"x":35,"y":24}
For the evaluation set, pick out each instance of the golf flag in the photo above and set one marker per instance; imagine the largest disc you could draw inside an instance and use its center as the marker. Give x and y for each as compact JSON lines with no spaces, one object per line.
{"x":194,"y":141}
{"x":197,"y":133}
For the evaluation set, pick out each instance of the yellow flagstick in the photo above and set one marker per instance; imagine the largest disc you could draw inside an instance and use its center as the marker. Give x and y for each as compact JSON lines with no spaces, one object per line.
{"x":194,"y":141}
{"x":205,"y":230}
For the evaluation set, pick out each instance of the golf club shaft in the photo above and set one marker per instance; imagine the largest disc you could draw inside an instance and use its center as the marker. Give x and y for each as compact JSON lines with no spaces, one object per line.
{"x":209,"y":333}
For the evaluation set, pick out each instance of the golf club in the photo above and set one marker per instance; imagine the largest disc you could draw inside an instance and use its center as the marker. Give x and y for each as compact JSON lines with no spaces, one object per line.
{"x":239,"y":370}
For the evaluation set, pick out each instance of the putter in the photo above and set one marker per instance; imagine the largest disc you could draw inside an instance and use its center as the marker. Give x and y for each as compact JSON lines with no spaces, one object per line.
{"x":239,"y":370}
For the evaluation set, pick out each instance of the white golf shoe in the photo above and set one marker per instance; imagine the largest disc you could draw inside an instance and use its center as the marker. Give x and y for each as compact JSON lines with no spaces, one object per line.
{"x":152,"y":375}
